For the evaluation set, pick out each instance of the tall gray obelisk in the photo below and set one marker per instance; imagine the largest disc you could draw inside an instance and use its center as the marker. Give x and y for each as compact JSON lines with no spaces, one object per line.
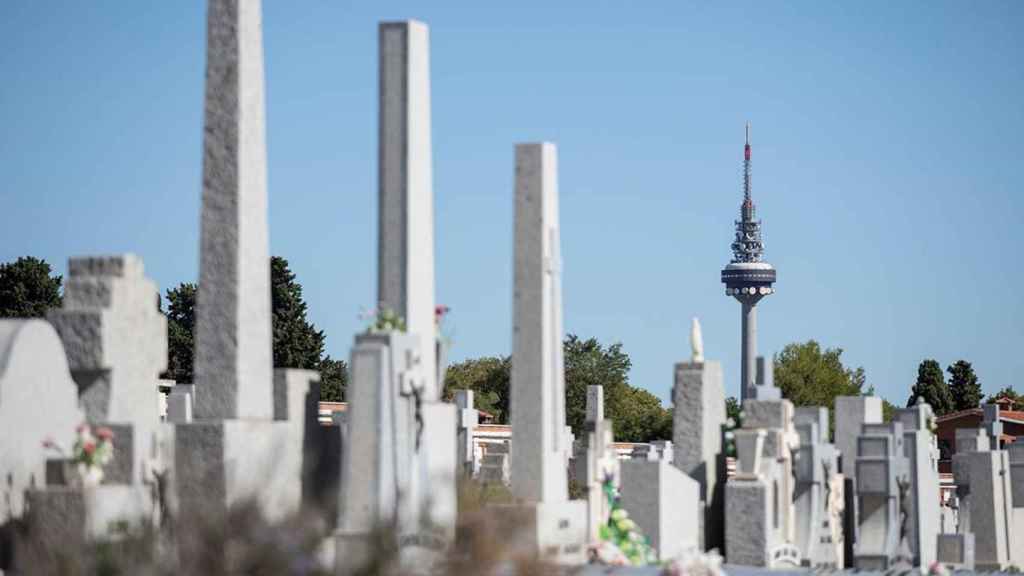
{"x":405,"y":281}
{"x":233,"y":331}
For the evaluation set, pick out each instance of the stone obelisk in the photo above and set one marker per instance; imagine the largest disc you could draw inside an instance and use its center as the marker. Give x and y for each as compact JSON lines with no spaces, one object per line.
{"x":233,"y":330}
{"x":405,"y":282}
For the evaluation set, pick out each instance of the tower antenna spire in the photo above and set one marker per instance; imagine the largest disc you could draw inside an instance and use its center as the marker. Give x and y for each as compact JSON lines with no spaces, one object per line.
{"x":746,"y":168}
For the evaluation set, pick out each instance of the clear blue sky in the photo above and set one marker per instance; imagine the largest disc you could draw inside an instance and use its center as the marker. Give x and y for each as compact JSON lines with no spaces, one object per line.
{"x":886,"y":145}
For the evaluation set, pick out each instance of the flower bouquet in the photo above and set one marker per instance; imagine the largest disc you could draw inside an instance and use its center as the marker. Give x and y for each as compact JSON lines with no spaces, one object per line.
{"x":620,"y":542}
{"x":89,"y":454}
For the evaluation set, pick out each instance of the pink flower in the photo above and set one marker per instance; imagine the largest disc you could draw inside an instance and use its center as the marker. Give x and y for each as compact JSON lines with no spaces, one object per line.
{"x":104,"y":433}
{"x":49,"y":443}
{"x":81,"y":428}
{"x":89,"y":448}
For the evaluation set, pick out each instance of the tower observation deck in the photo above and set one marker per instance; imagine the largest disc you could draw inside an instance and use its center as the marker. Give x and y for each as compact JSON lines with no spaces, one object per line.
{"x":748,"y":278}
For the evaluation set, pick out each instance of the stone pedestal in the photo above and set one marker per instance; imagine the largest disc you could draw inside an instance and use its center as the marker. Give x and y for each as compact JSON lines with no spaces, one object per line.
{"x":663,"y":501}
{"x":555,"y":532}
{"x":698,"y":416}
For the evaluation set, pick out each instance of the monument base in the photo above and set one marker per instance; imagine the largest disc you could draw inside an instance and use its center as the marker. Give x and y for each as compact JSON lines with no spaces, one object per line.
{"x":548,"y":531}
{"x":226,"y":462}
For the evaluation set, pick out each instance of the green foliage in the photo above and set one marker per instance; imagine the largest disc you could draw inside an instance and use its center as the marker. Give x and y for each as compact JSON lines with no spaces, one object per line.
{"x":964,"y":385}
{"x":297,"y":342}
{"x":489,"y":378}
{"x":733,"y":408}
{"x":333,"y":379}
{"x":623,"y":533}
{"x":1009,"y":393}
{"x":637,"y":414}
{"x":27,"y":288}
{"x":888,"y":411}
{"x":181,"y":321}
{"x":931,"y":387}
{"x":810,"y":376}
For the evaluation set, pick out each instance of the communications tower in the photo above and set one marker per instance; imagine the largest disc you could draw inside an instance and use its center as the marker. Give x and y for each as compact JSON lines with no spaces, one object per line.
{"x":748,"y":278}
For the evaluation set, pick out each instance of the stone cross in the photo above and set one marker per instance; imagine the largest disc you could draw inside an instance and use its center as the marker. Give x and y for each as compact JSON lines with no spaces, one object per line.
{"x":468,"y":418}
{"x":538,"y":380}
{"x":116,"y":344}
{"x":233,"y":360}
{"x":882,"y":469}
{"x":540,"y":443}
{"x":815,"y":467}
{"x":923,"y":461}
{"x":405,"y":264}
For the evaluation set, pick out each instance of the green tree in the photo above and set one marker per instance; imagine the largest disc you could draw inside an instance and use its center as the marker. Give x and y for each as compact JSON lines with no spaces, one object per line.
{"x":28,"y":289}
{"x":638,"y":414}
{"x":488,"y":378}
{"x":810,"y":376}
{"x":1007,"y":393}
{"x":333,"y":379}
{"x":931,"y":387}
{"x":181,"y":322}
{"x":964,"y":385}
{"x":297,"y":342}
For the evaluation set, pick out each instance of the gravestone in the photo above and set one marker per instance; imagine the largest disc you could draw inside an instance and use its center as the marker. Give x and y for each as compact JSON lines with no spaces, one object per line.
{"x":1016,"y":456}
{"x":551,"y":524}
{"x":116,"y":344}
{"x":234,"y":450}
{"x":494,"y":465}
{"x":760,"y":527}
{"x":233,"y":360}
{"x":817,"y":498}
{"x":882,"y":474}
{"x":852,"y":412}
{"x":468,"y":418}
{"x":596,"y":461}
{"x":405,"y":247}
{"x":38,"y":401}
{"x":404,"y":473}
{"x":698,"y":398}
{"x":663,"y":501}
{"x":982,"y":477}
{"x":922,"y":454}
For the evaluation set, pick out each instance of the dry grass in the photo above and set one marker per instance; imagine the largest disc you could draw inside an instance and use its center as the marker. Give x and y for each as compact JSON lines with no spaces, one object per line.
{"x":240,"y":540}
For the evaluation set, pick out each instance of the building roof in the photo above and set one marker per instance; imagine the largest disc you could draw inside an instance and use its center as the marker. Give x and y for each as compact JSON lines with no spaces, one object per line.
{"x":1004,"y":415}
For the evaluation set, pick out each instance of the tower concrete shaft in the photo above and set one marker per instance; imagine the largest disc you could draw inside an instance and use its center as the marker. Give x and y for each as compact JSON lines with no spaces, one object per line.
{"x":748,"y":278}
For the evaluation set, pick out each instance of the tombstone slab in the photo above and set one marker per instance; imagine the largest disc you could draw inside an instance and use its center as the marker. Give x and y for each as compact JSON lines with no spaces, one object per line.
{"x":38,"y":401}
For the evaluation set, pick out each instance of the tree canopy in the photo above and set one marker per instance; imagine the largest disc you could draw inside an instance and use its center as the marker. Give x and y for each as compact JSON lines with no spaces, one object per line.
{"x":638,"y":414}
{"x":932,"y":388}
{"x":810,"y":376}
{"x":1016,"y":400}
{"x":28,"y":288}
{"x":297,"y":342}
{"x":964,"y":385}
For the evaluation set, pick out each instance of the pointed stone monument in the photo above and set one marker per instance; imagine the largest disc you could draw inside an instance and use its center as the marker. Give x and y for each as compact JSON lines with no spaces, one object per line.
{"x":233,"y":361}
{"x":234,"y":449}
{"x":552,"y":525}
{"x":401,"y":472}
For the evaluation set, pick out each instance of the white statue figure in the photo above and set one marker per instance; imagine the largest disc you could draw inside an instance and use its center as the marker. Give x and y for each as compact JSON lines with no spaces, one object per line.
{"x":696,"y":341}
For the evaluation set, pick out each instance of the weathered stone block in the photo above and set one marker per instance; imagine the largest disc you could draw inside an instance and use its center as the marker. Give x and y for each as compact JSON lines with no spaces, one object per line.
{"x":663,"y":501}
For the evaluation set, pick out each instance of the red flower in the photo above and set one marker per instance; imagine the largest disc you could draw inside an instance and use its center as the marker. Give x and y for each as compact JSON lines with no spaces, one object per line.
{"x":89,"y":448}
{"x":81,"y":428}
{"x":104,"y":433}
{"x":49,"y":443}
{"x":441,"y":310}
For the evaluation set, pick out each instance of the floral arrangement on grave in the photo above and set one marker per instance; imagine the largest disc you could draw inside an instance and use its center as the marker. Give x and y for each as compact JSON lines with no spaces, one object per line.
{"x":693,"y":562}
{"x":383,"y":319}
{"x":91,"y":451}
{"x":620,"y":542}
